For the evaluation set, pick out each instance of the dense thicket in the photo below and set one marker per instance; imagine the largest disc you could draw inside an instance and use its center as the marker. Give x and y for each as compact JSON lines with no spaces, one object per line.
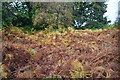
{"x":54,"y":15}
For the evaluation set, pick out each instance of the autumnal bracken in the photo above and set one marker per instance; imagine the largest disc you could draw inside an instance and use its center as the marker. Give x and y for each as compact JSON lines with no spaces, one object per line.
{"x":71,"y":54}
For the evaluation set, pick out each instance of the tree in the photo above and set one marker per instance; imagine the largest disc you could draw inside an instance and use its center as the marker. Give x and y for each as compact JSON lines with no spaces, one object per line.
{"x":89,"y":15}
{"x":53,"y":15}
{"x":7,"y":18}
{"x":17,"y":13}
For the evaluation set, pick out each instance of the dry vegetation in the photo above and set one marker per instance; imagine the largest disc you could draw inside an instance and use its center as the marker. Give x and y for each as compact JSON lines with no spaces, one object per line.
{"x":72,"y":54}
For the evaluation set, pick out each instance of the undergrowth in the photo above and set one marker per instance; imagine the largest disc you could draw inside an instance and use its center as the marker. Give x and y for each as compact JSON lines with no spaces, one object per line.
{"x":61,"y":53}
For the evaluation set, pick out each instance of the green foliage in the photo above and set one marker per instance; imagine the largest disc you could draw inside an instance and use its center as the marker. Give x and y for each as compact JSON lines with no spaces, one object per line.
{"x":32,"y":50}
{"x":116,"y":25}
{"x":90,"y":15}
{"x":17,"y":14}
{"x":54,"y":16}
{"x":29,"y":29}
{"x":7,"y":18}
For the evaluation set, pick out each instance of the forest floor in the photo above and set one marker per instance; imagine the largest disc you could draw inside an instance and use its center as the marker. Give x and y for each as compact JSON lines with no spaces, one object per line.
{"x":71,"y":54}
